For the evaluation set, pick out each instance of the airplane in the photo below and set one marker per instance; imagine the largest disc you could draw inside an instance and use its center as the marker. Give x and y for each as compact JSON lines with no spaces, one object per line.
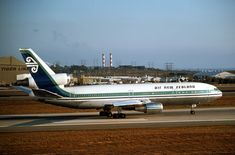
{"x":148,"y":98}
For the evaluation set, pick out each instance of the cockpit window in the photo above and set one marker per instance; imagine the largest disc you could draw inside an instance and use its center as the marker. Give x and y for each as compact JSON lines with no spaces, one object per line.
{"x":216,"y":89}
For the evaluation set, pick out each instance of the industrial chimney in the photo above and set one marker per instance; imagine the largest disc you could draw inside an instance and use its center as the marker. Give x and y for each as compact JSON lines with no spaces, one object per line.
{"x":111,"y":60}
{"x":103,"y":60}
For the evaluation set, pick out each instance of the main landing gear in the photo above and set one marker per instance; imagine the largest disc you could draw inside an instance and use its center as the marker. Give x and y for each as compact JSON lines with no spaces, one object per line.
{"x":107,"y":112}
{"x":192,"y":111}
{"x":119,"y":114}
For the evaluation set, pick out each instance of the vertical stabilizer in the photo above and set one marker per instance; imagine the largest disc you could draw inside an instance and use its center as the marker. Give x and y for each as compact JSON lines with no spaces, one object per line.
{"x":38,"y":69}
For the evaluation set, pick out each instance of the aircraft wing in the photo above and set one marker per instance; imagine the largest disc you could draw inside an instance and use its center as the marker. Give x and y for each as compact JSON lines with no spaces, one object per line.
{"x":131,"y":102}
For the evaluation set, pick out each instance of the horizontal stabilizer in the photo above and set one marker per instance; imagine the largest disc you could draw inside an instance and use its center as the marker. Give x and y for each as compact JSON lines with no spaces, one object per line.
{"x":44,"y":93}
{"x":25,"y":90}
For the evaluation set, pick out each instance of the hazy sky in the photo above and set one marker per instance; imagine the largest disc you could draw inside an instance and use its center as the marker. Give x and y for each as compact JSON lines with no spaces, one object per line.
{"x":188,"y":33}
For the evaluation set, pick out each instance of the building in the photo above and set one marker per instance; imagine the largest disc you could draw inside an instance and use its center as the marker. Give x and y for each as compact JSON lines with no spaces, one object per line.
{"x":202,"y":75}
{"x":225,"y":75}
{"x":9,"y":68}
{"x":89,"y":80}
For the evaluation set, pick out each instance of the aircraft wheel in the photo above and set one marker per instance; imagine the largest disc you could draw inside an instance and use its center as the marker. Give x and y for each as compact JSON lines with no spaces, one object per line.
{"x":115,"y":116}
{"x":192,"y":112}
{"x":109,"y":114}
{"x":122,"y":115}
{"x":119,"y":115}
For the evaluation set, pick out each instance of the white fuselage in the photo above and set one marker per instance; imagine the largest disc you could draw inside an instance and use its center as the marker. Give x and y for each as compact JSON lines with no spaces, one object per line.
{"x":96,"y":96}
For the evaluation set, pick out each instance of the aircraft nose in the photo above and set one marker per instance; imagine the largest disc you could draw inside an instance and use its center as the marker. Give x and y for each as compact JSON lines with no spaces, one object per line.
{"x":220,"y":93}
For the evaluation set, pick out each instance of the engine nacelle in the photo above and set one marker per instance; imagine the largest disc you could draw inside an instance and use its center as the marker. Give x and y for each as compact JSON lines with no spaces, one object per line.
{"x":60,"y":79}
{"x":150,"y":108}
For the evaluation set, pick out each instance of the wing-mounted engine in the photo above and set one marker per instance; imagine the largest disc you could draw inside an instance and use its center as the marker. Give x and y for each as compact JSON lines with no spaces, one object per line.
{"x":143,"y":105}
{"x":150,"y":108}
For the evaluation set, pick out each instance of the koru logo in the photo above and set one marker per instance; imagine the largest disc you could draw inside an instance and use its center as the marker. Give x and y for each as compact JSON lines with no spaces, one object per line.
{"x":30,"y":62}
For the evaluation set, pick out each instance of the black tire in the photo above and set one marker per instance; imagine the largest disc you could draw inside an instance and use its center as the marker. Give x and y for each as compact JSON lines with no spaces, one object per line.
{"x":115,"y":116}
{"x":109,"y":114}
{"x":122,"y":115}
{"x":192,"y":112}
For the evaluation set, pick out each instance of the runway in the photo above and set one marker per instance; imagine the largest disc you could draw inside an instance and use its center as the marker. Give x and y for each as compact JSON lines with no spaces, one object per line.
{"x":91,"y":120}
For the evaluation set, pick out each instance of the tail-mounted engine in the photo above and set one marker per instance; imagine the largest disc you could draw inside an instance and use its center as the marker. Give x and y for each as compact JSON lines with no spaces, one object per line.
{"x":60,"y":79}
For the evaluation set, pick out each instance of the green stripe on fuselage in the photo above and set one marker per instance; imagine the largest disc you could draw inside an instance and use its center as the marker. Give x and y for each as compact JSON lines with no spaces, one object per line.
{"x":142,"y":94}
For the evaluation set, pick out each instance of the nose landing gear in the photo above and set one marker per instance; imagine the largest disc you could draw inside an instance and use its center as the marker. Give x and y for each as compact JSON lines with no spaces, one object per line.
{"x":192,"y":111}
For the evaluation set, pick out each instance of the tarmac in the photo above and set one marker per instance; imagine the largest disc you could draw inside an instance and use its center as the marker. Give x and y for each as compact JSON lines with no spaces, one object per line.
{"x":91,"y":120}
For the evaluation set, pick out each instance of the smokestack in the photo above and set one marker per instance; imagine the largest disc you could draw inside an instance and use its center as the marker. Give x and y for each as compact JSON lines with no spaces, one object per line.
{"x":111,"y":60}
{"x":103,"y":60}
